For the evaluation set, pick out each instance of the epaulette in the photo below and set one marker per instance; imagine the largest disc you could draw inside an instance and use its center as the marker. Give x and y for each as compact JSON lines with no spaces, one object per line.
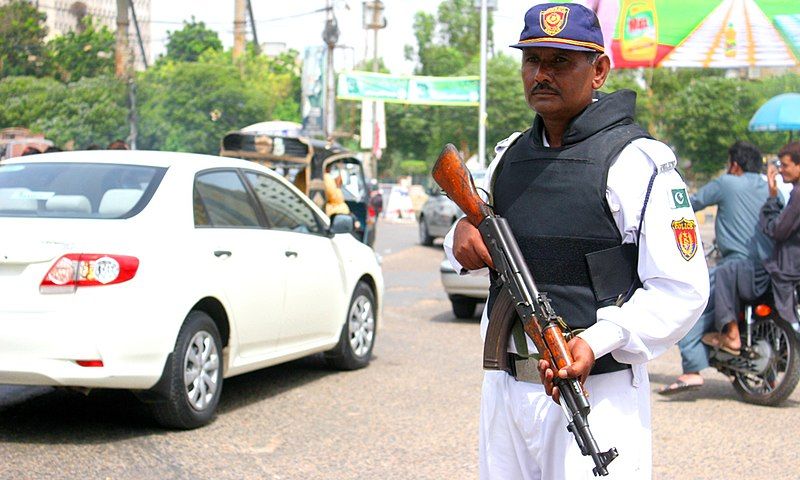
{"x":659,"y":153}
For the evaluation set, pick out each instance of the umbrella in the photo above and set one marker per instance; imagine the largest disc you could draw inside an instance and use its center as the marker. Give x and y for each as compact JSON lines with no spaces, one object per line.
{"x":781,"y":113}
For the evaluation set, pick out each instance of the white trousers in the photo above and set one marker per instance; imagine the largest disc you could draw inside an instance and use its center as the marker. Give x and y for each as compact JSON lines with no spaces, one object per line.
{"x":523,"y":433}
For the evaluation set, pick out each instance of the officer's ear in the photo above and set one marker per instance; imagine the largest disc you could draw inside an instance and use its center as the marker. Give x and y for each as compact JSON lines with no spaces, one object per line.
{"x":601,"y":66}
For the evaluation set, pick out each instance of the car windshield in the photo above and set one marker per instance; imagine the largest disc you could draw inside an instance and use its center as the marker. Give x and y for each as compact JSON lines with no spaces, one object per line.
{"x":76,"y":190}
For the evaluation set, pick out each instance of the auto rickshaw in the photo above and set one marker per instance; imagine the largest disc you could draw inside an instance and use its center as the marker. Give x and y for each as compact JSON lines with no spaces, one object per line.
{"x":305,"y":162}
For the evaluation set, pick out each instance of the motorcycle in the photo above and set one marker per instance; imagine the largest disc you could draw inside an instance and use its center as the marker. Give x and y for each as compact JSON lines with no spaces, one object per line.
{"x":767,"y":369}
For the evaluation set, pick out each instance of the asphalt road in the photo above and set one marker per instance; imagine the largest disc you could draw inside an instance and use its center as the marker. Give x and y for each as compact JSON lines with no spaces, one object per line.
{"x":413,"y":414}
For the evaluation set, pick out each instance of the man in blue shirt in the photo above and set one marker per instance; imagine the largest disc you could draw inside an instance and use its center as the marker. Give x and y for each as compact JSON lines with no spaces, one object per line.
{"x":739,"y":195}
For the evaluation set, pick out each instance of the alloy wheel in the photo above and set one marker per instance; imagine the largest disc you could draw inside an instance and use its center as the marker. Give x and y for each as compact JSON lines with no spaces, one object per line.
{"x":201,"y":370}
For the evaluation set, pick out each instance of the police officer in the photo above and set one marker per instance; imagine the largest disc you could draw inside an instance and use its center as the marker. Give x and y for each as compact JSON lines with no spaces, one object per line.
{"x":584,"y":179}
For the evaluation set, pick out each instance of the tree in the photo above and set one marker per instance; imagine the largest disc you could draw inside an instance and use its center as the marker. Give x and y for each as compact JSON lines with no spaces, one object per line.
{"x":91,"y":110}
{"x":190,"y":106}
{"x":188,"y":43}
{"x":22,"y":50}
{"x":88,"y":52}
{"x":26,"y":99}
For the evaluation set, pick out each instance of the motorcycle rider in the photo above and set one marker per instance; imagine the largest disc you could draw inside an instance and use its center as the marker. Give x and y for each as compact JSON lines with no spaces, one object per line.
{"x":738,"y":195}
{"x":782,"y":224}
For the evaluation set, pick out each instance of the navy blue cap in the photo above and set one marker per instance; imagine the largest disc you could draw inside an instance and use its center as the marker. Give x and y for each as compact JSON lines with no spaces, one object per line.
{"x":569,"y":26}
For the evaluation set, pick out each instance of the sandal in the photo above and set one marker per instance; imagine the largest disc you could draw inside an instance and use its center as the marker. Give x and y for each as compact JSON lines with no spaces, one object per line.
{"x":717,"y":341}
{"x":679,"y":386}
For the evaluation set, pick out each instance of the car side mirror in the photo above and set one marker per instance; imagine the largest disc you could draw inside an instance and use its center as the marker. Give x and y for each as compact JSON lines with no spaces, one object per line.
{"x":342,"y":223}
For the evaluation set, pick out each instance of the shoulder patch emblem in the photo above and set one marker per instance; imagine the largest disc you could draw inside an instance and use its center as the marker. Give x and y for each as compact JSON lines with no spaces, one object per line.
{"x":685,"y":237}
{"x":680,"y":199}
{"x":553,"y":20}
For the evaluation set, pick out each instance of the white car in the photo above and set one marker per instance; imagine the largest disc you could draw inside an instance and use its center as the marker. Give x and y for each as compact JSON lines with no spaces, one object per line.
{"x":464,"y":291}
{"x":166,"y":272}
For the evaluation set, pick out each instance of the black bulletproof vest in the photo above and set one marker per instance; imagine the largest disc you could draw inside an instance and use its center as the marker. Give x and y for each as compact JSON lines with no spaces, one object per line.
{"x":555,"y":202}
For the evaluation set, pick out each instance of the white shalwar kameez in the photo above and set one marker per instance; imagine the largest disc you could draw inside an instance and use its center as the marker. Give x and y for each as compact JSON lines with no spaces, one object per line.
{"x":523,"y":432}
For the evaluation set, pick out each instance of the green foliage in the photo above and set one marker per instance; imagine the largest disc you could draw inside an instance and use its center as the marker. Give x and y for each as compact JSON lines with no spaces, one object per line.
{"x":189,"y":106}
{"x":506,"y":108}
{"x":22,"y":49}
{"x":412,"y":167}
{"x":188,"y":43}
{"x":26,"y":99}
{"x":88,"y":52}
{"x":91,"y":110}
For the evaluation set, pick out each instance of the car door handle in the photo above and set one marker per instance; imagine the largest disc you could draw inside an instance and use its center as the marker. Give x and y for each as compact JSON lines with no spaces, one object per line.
{"x":222,"y":253}
{"x":290,"y":253}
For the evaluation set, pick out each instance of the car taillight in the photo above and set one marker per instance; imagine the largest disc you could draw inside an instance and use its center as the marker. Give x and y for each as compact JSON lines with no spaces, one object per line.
{"x":75,"y":270}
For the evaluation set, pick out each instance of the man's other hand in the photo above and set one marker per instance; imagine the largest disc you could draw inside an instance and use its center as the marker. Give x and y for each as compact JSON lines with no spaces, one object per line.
{"x":468,"y":247}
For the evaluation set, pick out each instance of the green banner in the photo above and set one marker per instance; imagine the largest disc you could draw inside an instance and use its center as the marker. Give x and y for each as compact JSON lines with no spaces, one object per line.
{"x":453,"y":91}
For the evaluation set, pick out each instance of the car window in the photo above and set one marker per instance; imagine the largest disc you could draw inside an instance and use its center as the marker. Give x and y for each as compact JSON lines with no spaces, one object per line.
{"x":351,"y":177}
{"x":76,"y":189}
{"x":221,"y":200}
{"x":284,"y":208}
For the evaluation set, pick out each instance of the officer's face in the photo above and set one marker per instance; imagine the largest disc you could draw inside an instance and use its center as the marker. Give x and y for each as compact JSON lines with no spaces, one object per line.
{"x":789,"y":170}
{"x":559,"y":83}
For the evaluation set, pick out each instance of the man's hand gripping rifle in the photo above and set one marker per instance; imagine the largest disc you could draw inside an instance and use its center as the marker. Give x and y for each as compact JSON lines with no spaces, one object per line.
{"x":539,"y":321}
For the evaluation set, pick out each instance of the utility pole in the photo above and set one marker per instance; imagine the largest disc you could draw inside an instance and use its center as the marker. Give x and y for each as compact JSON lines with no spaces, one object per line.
{"x":239,"y":28}
{"x":138,"y":34}
{"x":485,"y":6}
{"x":482,"y":104}
{"x":122,"y":53}
{"x":256,"y":45}
{"x":374,"y":20}
{"x":330,"y":35}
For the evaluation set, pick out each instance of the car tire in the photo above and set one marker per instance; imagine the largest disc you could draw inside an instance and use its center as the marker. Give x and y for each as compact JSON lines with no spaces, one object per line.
{"x":464,"y":307}
{"x":425,"y":237}
{"x":197,"y":356}
{"x":357,"y":338}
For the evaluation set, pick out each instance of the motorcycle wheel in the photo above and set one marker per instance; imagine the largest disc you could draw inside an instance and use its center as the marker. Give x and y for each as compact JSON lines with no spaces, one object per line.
{"x":776,"y":380}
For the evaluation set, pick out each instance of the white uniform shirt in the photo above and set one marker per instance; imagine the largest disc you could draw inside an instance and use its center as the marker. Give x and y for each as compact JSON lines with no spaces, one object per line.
{"x":675,"y":289}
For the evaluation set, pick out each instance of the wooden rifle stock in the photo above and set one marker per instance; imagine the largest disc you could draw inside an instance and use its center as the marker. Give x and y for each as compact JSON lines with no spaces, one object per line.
{"x":452,"y":175}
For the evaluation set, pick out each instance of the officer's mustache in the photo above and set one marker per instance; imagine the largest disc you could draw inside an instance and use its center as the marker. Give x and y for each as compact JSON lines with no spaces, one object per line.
{"x":544,"y":87}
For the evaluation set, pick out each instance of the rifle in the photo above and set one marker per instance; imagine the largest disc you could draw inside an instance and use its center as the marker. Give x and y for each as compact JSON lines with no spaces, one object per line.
{"x":539,"y":320}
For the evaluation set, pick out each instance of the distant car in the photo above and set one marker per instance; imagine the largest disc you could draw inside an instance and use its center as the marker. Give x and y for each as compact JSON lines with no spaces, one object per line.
{"x":465,"y":291}
{"x":439,"y":212}
{"x":164,"y":273}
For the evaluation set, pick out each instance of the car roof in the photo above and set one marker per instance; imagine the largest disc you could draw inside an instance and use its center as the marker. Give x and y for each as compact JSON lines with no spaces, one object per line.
{"x":150,"y":158}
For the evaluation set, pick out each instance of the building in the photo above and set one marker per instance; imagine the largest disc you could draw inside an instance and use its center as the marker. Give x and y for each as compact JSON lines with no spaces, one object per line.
{"x":66,"y":15}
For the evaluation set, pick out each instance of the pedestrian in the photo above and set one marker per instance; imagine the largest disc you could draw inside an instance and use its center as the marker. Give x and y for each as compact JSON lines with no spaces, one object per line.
{"x":739,"y":274}
{"x":29,"y":150}
{"x":118,"y":145}
{"x":584,"y":179}
{"x":782,"y":224}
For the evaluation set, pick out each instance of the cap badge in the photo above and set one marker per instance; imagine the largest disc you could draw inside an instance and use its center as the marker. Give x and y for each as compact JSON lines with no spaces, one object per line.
{"x":685,"y":237}
{"x":553,"y":20}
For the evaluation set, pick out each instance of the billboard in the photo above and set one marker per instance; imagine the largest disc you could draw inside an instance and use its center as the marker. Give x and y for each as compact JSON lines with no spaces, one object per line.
{"x":702,"y":33}
{"x":452,"y":91}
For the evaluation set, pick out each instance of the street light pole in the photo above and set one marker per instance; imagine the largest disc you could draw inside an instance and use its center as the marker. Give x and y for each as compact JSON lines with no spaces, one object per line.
{"x":330,"y":35}
{"x":484,"y":6}
{"x":482,"y":107}
{"x":374,"y":20}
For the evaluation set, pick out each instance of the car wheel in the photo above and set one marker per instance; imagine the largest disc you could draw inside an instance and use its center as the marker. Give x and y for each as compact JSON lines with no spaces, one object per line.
{"x":354,"y":349}
{"x":464,"y":307}
{"x":425,"y":237}
{"x":194,"y":375}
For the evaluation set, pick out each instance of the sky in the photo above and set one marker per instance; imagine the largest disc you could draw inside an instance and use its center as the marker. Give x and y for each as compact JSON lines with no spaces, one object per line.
{"x":296,"y":26}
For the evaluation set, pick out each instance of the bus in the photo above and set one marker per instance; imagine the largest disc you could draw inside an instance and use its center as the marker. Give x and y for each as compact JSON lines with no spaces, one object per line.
{"x":304,"y":161}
